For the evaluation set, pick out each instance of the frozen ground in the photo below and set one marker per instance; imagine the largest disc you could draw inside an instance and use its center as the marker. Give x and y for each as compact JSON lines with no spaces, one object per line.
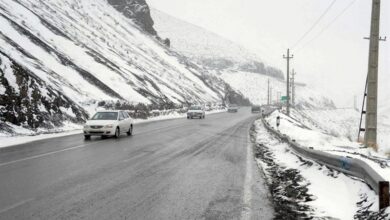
{"x":25,"y":136}
{"x":303,"y":189}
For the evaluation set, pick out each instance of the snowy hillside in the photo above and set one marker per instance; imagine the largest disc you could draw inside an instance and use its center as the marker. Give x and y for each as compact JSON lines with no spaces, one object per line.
{"x":75,"y":53}
{"x":254,"y":86}
{"x":384,"y":123}
{"x":344,"y":123}
{"x":207,"y":48}
{"x":231,"y":62}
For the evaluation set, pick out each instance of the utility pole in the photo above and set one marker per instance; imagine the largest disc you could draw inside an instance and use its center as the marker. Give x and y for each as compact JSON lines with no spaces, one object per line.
{"x":268,"y":97}
{"x":288,"y":57}
{"x":370,"y":135}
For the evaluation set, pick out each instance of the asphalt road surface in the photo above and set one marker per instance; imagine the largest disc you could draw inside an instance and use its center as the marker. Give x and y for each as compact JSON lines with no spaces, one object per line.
{"x":173,"y":169}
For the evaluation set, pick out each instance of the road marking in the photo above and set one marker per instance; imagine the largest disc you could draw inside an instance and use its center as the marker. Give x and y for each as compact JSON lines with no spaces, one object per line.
{"x":15,"y":205}
{"x":46,"y":154}
{"x":247,"y":200}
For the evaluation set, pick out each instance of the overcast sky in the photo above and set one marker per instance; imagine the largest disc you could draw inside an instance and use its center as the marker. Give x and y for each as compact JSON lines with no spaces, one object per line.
{"x":335,"y":62}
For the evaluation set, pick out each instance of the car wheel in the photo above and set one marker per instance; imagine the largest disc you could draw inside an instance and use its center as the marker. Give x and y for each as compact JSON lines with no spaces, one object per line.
{"x":130,"y":132}
{"x":87,"y":137}
{"x":188,"y":117}
{"x":117,"y":133}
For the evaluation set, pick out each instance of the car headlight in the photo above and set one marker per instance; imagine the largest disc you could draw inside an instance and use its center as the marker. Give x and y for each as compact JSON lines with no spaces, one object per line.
{"x":109,"y":126}
{"x":86,"y":126}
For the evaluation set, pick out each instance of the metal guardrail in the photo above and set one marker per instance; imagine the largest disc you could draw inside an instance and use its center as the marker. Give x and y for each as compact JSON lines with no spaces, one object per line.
{"x":348,"y":165}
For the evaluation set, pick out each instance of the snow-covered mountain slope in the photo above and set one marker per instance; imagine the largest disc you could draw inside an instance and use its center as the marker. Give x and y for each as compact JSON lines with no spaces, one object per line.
{"x":87,"y":51}
{"x":255,"y":86}
{"x":345,"y":123}
{"x":231,"y":62}
{"x":27,"y":100}
{"x":207,"y":48}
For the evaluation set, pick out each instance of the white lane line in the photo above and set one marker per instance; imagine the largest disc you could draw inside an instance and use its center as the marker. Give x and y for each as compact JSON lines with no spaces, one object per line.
{"x":45,"y":154}
{"x":15,"y":205}
{"x":247,"y":200}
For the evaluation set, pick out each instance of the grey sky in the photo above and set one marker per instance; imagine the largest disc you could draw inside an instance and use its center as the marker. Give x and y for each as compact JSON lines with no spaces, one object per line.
{"x":336,"y":62}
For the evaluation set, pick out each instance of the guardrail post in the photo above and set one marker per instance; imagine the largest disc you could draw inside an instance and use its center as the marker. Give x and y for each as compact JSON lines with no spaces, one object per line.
{"x":384,"y":197}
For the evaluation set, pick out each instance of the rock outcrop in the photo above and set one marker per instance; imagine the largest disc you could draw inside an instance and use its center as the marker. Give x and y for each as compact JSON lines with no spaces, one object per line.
{"x":138,"y":11}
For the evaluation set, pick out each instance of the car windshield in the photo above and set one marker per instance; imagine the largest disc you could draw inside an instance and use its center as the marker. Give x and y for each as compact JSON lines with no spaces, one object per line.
{"x":195,"y":108}
{"x":105,"y":116}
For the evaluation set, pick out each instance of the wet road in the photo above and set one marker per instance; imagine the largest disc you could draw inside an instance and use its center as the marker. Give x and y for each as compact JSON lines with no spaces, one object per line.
{"x":174,"y":169}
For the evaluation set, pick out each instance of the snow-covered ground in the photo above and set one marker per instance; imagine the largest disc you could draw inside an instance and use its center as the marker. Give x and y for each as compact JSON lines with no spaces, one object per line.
{"x":384,"y":124}
{"x":345,"y":123}
{"x":320,"y":137}
{"x":307,"y":189}
{"x":26,"y":136}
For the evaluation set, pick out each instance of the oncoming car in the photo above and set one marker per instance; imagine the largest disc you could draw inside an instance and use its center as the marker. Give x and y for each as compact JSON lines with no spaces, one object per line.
{"x":196,"y":111}
{"x":108,"y":123}
{"x":233,"y":108}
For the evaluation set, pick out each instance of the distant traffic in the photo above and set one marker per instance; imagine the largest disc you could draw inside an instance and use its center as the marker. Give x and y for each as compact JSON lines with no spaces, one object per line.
{"x":113,"y":123}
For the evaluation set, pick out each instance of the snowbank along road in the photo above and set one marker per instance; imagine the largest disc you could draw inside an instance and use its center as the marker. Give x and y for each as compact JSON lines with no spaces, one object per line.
{"x":174,"y":169}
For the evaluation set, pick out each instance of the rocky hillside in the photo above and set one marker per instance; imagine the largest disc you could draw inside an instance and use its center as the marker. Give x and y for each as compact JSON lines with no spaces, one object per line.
{"x":59,"y":58}
{"x":26,"y":100}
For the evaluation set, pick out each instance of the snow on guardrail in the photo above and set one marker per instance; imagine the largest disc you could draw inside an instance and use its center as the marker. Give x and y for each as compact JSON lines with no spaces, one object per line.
{"x":348,"y":165}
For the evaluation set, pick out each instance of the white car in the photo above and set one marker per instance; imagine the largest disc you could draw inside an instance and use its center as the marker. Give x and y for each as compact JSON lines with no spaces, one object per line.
{"x":108,"y":123}
{"x":233,"y":108}
{"x":196,"y":111}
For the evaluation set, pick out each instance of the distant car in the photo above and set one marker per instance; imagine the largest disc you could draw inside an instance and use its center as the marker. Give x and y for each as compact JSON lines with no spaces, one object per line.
{"x":108,"y":123}
{"x":232,"y":108}
{"x":196,"y":111}
{"x":256,"y":109}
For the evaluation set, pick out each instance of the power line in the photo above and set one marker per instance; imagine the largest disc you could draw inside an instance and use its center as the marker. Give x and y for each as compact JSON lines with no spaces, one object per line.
{"x":315,"y":23}
{"x":327,"y":26}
